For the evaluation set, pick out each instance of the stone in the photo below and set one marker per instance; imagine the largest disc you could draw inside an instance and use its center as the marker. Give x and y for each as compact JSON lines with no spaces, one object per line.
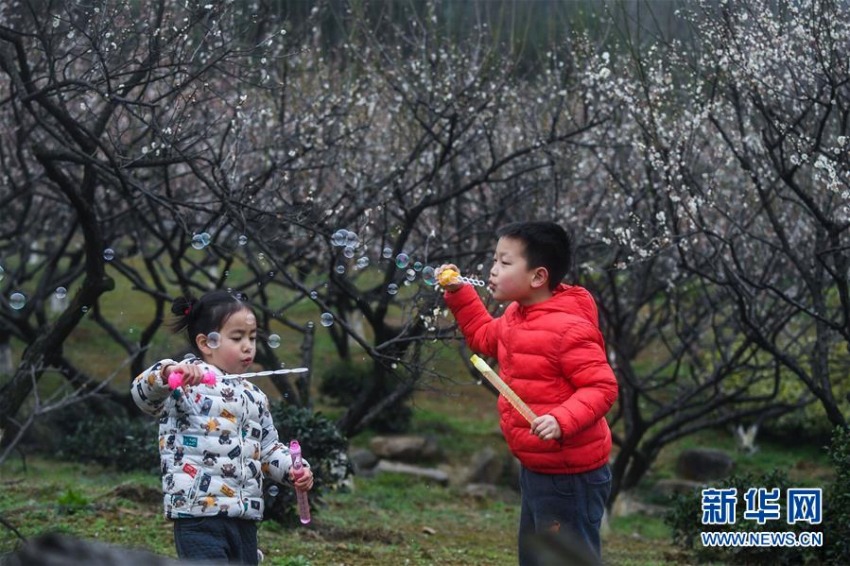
{"x":363,"y":461}
{"x":432,"y":474}
{"x":481,"y":490}
{"x":486,"y":467}
{"x":704,"y":464}
{"x":405,"y":448}
{"x":670,"y":487}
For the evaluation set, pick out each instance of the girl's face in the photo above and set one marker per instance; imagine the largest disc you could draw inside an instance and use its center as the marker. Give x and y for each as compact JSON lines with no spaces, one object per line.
{"x":236,"y":346}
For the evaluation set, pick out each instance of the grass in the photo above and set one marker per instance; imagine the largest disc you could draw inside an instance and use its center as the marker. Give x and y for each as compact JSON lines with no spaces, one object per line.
{"x":388,"y":519}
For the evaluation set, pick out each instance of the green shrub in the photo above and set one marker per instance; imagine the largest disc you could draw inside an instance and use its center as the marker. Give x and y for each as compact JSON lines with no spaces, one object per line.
{"x":343,"y":382}
{"x":836,"y":513}
{"x":322,"y":445}
{"x":119,"y":442}
{"x":71,"y":501}
{"x":685,"y":518}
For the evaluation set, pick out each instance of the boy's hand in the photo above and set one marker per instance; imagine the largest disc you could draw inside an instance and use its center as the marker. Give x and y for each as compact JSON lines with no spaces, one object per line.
{"x":193,"y":374}
{"x":305,"y":482}
{"x":546,"y":427}
{"x":448,"y":286}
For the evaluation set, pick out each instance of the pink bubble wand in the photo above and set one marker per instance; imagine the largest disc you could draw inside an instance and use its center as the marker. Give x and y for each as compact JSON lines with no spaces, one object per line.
{"x":175,"y":379}
{"x":297,"y":472}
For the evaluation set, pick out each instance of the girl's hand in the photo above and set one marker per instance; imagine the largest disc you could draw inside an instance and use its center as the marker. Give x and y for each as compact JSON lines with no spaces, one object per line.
{"x":305,"y":482}
{"x":192,"y":373}
{"x":546,"y":427}
{"x":450,"y":287}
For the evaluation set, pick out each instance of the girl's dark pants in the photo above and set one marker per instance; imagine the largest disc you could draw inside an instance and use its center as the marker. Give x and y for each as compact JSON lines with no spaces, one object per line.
{"x":216,"y":539}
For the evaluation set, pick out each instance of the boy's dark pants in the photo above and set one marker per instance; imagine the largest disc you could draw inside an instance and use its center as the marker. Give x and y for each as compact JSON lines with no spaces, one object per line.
{"x":216,"y":539}
{"x":567,"y":508}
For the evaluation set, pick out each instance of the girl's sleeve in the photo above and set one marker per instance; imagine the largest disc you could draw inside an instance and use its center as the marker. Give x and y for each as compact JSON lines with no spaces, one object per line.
{"x":477,"y":325}
{"x":275,"y":457}
{"x":148,"y":390}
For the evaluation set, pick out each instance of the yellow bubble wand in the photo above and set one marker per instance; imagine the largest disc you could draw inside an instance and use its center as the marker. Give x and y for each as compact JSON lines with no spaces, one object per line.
{"x":503,"y":388}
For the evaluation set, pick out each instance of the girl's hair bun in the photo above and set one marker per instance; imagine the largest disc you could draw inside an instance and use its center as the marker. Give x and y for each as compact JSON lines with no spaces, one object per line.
{"x":182,"y":306}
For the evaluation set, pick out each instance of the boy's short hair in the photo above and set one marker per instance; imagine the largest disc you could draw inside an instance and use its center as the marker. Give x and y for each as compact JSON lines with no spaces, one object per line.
{"x":546,"y":245}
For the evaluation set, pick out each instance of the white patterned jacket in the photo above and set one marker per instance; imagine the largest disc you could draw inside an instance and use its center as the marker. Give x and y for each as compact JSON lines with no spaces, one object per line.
{"x":216,"y":442}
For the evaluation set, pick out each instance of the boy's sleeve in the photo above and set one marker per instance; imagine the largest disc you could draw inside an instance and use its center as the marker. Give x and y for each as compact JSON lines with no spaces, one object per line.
{"x":275,"y":457}
{"x":585,"y":364}
{"x":148,"y":391}
{"x":477,"y":325}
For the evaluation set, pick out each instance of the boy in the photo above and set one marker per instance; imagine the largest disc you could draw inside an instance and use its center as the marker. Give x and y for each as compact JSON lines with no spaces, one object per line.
{"x":551,"y":353}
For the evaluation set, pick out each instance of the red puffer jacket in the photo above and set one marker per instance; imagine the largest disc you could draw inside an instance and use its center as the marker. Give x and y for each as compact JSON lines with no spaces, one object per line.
{"x":553,"y":356}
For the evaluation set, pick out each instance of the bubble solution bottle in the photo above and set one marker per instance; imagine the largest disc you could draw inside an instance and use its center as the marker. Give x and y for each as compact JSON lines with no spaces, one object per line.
{"x":298,"y":471}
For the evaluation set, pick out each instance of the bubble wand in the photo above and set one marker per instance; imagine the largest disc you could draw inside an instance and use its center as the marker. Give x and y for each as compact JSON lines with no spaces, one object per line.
{"x":503,"y":388}
{"x":175,"y":379}
{"x":297,"y":472}
{"x":450,"y":276}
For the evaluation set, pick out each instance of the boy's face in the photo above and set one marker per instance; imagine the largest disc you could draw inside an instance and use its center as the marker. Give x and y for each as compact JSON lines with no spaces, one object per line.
{"x":510,"y":277}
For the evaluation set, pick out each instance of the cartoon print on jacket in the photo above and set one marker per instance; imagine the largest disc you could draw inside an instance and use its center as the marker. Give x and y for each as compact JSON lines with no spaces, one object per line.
{"x":216,"y":442}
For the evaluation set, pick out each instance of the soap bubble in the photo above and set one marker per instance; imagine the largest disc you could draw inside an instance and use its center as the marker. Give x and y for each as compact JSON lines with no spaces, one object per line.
{"x":338,"y":238}
{"x":428,"y":275}
{"x":348,"y":252}
{"x":17,"y":301}
{"x":340,"y":269}
{"x":108,"y":254}
{"x":387,"y":253}
{"x":401,"y":260}
{"x":410,"y":275}
{"x":61,"y":292}
{"x":2,"y":273}
{"x":392,"y":288}
{"x":417,"y":266}
{"x":206,"y":238}
{"x":274,"y":341}
{"x":314,"y":295}
{"x":198,"y":242}
{"x":327,"y":319}
{"x":362,"y":263}
{"x":243,"y":239}
{"x":213,"y":340}
{"x":352,"y":240}
{"x":273,"y":491}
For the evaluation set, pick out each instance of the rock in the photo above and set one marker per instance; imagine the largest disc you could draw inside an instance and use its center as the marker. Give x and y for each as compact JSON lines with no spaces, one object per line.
{"x":363,"y":461}
{"x":746,"y":438}
{"x":703,"y":464}
{"x":433,"y":474}
{"x":486,"y":467}
{"x":481,"y":490}
{"x":405,"y":448}
{"x":670,"y":487}
{"x":628,"y":504}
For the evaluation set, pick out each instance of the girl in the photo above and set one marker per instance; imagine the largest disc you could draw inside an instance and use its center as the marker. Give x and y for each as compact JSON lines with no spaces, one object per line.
{"x":216,"y":440}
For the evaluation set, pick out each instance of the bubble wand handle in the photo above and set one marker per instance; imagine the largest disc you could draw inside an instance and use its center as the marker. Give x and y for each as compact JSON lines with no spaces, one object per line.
{"x":297,"y":472}
{"x":503,"y":388}
{"x":175,"y":379}
{"x":449,"y":276}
